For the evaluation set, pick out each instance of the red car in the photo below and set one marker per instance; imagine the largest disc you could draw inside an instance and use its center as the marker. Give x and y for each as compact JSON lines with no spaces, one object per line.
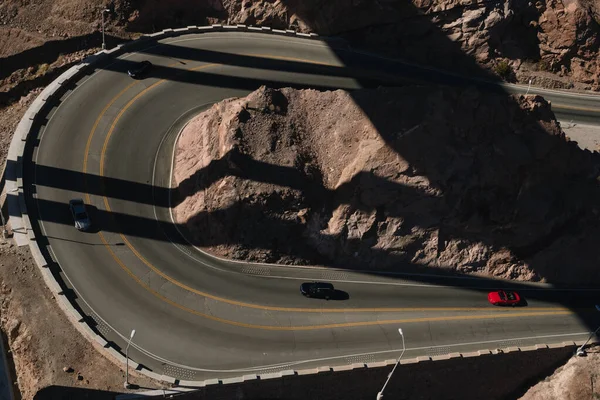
{"x":504,"y":298}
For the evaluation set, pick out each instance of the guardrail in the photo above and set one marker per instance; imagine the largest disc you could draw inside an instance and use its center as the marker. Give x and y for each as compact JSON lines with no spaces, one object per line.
{"x":24,"y":234}
{"x":357,"y":366}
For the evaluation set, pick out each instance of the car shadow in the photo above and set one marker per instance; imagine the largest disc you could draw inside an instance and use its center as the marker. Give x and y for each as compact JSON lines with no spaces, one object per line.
{"x":95,"y":218}
{"x":522,"y":303}
{"x":339,"y":295}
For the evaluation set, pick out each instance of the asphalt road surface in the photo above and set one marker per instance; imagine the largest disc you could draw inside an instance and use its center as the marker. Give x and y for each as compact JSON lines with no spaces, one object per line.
{"x":110,"y":142}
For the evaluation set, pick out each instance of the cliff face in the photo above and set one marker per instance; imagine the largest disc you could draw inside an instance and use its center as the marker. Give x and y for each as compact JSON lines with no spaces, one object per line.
{"x":577,"y":379}
{"x":405,"y":179}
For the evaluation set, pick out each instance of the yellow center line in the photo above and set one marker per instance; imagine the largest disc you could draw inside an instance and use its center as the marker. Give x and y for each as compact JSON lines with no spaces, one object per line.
{"x":293,"y":59}
{"x":88,"y":145}
{"x":564,"y":106}
{"x":358,"y":70}
{"x":323,"y":326}
{"x":96,"y":123}
{"x":239,"y":303}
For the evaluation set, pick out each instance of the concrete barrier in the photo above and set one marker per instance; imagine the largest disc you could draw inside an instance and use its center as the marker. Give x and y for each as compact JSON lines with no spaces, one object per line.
{"x":38,"y":257}
{"x":112,"y":52}
{"x":50,"y":90}
{"x":229,"y":381}
{"x":274,"y":375}
{"x":22,"y":226}
{"x":35,"y":108}
{"x":67,"y":75}
{"x":339,"y":368}
{"x":24,"y":127}
{"x":377,"y":364}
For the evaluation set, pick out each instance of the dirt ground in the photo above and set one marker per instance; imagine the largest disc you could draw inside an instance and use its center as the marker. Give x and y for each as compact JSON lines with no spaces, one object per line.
{"x":43,"y":341}
{"x":578,"y":379}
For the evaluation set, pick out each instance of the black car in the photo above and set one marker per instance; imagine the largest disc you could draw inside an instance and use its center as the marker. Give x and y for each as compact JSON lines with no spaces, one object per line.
{"x":321,"y":290}
{"x":80,"y":215}
{"x":140,"y":69}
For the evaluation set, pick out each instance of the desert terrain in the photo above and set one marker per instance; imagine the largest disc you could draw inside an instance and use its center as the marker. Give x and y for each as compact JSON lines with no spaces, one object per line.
{"x":550,"y":43}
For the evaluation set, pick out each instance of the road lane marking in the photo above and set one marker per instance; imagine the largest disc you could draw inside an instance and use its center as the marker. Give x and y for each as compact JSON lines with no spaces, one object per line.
{"x":218,"y":298}
{"x":373,"y":353}
{"x":285,"y":58}
{"x":323,"y":326}
{"x":557,"y":106}
{"x":97,"y":122}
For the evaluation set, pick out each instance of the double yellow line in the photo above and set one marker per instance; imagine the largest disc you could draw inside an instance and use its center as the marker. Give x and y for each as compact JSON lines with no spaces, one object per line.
{"x":542,"y":311}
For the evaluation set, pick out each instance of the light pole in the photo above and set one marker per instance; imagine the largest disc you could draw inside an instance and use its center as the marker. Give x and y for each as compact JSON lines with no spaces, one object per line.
{"x":4,"y":231}
{"x":127,"y":386}
{"x":380,"y":394}
{"x":581,"y":350}
{"x":106,"y":10}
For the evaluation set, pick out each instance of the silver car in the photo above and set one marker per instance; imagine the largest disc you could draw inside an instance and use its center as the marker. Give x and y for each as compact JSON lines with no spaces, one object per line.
{"x":80,"y":215}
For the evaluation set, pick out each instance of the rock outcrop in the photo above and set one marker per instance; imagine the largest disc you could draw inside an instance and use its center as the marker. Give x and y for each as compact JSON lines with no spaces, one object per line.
{"x":553,"y":42}
{"x":407,"y":178}
{"x":575,"y":380}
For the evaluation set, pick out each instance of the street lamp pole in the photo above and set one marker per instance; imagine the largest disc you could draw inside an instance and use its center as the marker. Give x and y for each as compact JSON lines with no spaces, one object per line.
{"x":380,"y":394}
{"x":127,"y":360}
{"x":581,"y":350}
{"x":103,"y":41}
{"x":4,"y":231}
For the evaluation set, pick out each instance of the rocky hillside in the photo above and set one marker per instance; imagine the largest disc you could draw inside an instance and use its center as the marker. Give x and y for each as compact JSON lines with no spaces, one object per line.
{"x":455,"y":180}
{"x":577,"y":379}
{"x":553,"y":42}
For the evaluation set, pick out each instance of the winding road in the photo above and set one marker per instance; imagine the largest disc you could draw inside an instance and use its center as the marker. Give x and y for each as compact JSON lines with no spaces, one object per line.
{"x":110,"y":141}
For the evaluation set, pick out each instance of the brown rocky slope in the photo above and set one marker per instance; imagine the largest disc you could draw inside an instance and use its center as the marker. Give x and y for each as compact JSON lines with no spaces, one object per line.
{"x":406,"y":178}
{"x":553,"y":42}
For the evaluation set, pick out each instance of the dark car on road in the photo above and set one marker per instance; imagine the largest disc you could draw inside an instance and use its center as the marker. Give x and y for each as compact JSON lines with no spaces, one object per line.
{"x":80,"y":215}
{"x":140,"y":69}
{"x":320,"y":290}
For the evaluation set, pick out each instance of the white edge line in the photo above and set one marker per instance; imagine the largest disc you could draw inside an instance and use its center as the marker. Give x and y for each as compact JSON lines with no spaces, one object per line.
{"x":81,"y":83}
{"x":314,"y":360}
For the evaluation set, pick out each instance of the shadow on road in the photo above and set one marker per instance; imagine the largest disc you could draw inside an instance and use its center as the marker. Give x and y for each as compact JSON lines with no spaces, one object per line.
{"x":73,"y":393}
{"x":570,"y":218}
{"x":505,"y":376}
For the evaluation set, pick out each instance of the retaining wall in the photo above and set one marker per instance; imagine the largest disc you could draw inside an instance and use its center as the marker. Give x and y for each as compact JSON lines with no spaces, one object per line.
{"x":24,"y":233}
